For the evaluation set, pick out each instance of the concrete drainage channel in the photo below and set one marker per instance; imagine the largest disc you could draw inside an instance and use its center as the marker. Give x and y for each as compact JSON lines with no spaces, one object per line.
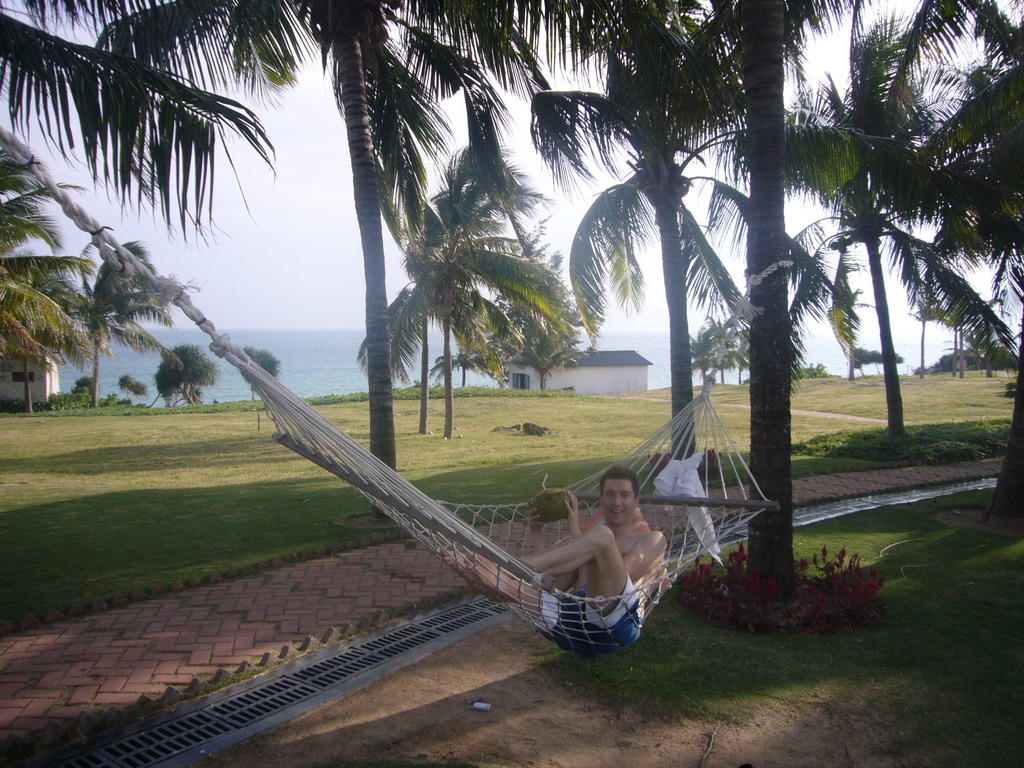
{"x":216,"y":722}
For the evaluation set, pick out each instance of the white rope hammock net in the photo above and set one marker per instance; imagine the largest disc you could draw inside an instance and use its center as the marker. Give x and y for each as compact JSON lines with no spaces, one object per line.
{"x":722,"y":496}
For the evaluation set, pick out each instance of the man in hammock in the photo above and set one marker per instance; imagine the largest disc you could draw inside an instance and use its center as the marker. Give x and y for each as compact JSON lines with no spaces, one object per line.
{"x":606,"y":568}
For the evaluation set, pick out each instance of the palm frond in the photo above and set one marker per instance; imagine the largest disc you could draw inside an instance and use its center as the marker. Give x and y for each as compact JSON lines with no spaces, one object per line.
{"x":615,"y":225}
{"x":147,"y":133}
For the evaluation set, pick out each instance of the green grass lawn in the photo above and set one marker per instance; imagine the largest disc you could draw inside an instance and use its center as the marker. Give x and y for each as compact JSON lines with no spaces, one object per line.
{"x":97,"y":505}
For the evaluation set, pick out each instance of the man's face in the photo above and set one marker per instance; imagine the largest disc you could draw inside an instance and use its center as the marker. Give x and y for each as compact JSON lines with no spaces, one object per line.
{"x":618,"y":501}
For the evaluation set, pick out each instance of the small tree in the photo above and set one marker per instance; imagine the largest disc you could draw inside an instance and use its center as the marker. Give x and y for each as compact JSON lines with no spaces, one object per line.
{"x":862,"y":357}
{"x":546,"y":349}
{"x":266,"y":360}
{"x":184,"y":371}
{"x":132,"y":386}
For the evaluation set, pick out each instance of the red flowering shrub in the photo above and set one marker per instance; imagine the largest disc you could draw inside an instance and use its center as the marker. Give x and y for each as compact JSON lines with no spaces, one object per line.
{"x":837,"y":595}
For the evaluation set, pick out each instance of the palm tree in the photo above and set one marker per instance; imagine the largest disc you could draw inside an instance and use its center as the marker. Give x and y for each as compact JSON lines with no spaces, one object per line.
{"x":548,"y":349}
{"x":984,"y":135}
{"x":35,"y":327}
{"x":662,"y":112}
{"x":266,"y":360}
{"x":455,"y":259}
{"x":35,"y":291}
{"x":884,"y":178}
{"x":739,"y":355}
{"x":707,"y":347}
{"x":111,"y":308}
{"x":465,"y":361}
{"x":392,"y":66}
{"x":763,"y":43}
{"x":132,"y":386}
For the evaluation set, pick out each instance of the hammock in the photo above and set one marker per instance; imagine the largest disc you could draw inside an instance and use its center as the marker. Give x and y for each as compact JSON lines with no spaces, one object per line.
{"x":692,"y":452}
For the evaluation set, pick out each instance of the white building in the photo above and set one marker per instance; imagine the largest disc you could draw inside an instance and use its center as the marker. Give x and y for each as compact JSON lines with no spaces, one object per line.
{"x":597,"y":372}
{"x":43,"y":380}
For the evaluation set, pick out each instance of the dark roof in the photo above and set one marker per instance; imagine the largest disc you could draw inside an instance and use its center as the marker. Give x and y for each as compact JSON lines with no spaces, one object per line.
{"x":610,"y":357}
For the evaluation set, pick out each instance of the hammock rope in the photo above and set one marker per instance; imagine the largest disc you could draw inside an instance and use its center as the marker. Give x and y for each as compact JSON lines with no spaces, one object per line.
{"x":723,"y":494}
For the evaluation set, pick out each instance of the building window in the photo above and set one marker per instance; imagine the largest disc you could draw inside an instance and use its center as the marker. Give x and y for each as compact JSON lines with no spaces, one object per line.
{"x":19,"y":376}
{"x":520,"y":381}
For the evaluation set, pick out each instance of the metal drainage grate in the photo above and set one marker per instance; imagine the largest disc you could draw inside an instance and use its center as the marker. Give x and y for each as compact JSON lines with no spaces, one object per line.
{"x":204,"y":727}
{"x":152,"y":746}
{"x":258,"y":703}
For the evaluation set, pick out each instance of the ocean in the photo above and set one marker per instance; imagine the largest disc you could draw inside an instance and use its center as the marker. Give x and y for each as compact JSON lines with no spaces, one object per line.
{"x":323,"y":362}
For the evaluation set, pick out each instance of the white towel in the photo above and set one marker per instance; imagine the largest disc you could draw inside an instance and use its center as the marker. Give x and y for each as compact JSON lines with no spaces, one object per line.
{"x":680,"y":478}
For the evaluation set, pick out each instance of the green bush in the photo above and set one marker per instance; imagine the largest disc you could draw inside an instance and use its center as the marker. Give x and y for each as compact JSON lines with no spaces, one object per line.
{"x":928,"y":444}
{"x":1011,"y":388}
{"x":818,"y":371}
{"x":66,"y":401}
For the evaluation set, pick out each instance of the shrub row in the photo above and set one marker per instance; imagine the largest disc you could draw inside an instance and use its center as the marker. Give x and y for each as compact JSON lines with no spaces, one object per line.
{"x":927,"y":444}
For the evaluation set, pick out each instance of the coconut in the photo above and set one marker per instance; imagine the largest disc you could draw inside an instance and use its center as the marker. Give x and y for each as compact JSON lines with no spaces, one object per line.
{"x":550,"y":504}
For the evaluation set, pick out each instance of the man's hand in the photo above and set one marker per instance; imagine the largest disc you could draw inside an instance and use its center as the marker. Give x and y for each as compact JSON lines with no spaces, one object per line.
{"x":534,"y":521}
{"x":572,"y":520}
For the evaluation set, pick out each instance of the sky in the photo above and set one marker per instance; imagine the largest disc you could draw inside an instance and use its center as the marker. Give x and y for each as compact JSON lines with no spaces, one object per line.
{"x":284,"y":251}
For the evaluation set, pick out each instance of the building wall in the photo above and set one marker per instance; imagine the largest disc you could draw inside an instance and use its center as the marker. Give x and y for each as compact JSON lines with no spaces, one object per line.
{"x":590,"y":380}
{"x":44,"y":381}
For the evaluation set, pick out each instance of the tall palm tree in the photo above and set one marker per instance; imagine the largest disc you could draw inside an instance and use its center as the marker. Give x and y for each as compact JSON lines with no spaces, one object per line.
{"x":547,"y":349}
{"x":392,"y":66}
{"x":884,"y":180}
{"x":35,"y":291}
{"x":985,"y":138}
{"x":457,"y":260}
{"x":763,"y":46}
{"x":665,"y":116}
{"x":112,"y":307}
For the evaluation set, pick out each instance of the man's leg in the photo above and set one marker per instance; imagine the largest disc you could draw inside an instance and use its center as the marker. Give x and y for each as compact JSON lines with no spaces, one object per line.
{"x":482,"y":572}
{"x":595,"y":553}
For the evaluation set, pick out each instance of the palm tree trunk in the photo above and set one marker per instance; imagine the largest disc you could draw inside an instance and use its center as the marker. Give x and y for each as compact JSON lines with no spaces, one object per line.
{"x":891,"y":374}
{"x":28,"y":386}
{"x":449,"y":402}
{"x":923,"y":324}
{"x":367,"y":204}
{"x":96,"y":371}
{"x":851,"y":374}
{"x":424,"y":376}
{"x":770,"y":533}
{"x":1006,"y":501}
{"x":674,"y":265}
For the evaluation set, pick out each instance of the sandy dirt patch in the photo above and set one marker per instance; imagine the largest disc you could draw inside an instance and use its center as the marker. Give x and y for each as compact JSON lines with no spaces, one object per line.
{"x":421,"y":711}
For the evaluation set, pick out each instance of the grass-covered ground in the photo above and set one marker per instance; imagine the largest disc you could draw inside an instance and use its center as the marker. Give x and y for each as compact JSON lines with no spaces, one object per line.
{"x":105,"y":504}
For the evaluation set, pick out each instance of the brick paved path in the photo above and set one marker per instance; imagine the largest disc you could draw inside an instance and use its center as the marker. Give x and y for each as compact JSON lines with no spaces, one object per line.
{"x":60,"y":675}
